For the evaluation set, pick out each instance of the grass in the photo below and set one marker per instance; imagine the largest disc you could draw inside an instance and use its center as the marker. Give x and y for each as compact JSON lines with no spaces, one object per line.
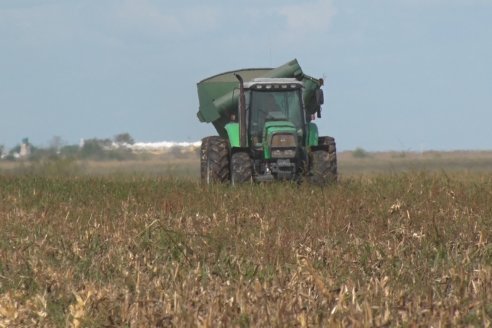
{"x":186,"y":167}
{"x":402,"y":249}
{"x":351,"y":164}
{"x":396,"y":162}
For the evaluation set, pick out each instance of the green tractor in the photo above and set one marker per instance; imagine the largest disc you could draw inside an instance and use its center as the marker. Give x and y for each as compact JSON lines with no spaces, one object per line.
{"x":263,"y":118}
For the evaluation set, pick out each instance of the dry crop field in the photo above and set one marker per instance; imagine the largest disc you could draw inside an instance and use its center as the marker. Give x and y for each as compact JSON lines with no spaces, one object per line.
{"x":403,"y":249}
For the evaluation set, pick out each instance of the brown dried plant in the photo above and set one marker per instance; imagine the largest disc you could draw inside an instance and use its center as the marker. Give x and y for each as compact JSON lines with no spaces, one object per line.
{"x":412,"y":249}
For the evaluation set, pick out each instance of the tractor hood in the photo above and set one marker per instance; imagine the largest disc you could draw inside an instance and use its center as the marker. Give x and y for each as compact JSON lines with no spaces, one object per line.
{"x":279,"y":135}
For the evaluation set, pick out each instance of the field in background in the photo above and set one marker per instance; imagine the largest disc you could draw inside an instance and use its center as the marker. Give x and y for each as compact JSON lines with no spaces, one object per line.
{"x":140,"y":244}
{"x":394,"y":162}
{"x":187,"y":164}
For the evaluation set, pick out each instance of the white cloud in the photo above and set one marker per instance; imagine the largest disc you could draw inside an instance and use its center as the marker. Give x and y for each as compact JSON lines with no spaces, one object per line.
{"x":34,"y":25}
{"x":143,"y":13}
{"x":274,"y":27}
{"x":424,"y":3}
{"x":165,"y":21}
{"x":308,"y":16}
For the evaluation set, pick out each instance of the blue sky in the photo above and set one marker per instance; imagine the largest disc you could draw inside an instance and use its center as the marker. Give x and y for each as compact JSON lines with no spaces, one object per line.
{"x":400,"y":74}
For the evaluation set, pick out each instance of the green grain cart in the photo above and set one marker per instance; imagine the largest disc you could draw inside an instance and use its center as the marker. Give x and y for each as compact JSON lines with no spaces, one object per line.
{"x":263,"y":120}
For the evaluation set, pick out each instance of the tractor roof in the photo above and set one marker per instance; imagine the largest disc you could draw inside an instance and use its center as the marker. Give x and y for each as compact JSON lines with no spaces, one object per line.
{"x":289,"y":83}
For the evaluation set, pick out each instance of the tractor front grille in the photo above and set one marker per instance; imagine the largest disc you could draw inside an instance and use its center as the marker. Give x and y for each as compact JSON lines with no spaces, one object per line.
{"x":284,"y":140}
{"x":283,"y":145}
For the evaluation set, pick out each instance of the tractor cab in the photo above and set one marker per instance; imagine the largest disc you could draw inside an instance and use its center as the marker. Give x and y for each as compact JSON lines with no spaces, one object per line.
{"x":276,"y":126}
{"x":274,"y":103}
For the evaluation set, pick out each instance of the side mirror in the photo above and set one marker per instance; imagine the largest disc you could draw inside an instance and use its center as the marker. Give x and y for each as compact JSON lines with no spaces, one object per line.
{"x":320,"y":98}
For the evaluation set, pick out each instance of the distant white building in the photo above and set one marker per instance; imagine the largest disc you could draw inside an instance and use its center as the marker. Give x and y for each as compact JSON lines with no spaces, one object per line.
{"x":25,"y":149}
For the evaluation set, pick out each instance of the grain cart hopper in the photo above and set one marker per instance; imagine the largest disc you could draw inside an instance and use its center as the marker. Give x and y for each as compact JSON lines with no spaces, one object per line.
{"x":263,"y":118}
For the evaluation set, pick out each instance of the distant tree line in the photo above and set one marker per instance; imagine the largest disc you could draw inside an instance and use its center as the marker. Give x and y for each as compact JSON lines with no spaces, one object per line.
{"x":90,"y":149}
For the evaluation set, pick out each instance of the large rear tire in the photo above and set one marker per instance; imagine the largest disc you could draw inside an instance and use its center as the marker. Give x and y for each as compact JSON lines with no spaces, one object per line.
{"x":214,"y":160}
{"x":241,"y":168}
{"x":332,"y":153}
{"x":324,"y":169}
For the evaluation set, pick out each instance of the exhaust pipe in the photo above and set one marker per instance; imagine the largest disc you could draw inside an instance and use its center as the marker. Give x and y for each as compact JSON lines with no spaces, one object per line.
{"x":242,"y":112}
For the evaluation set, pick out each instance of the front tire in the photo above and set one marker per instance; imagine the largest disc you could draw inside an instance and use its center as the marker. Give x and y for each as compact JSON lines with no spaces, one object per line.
{"x":324,"y":169}
{"x":241,"y":168}
{"x":214,"y":160}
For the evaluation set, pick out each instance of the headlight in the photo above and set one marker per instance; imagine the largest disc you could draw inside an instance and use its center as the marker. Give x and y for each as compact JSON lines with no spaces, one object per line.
{"x":283,"y":141}
{"x":283,"y":145}
{"x":283,"y":153}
